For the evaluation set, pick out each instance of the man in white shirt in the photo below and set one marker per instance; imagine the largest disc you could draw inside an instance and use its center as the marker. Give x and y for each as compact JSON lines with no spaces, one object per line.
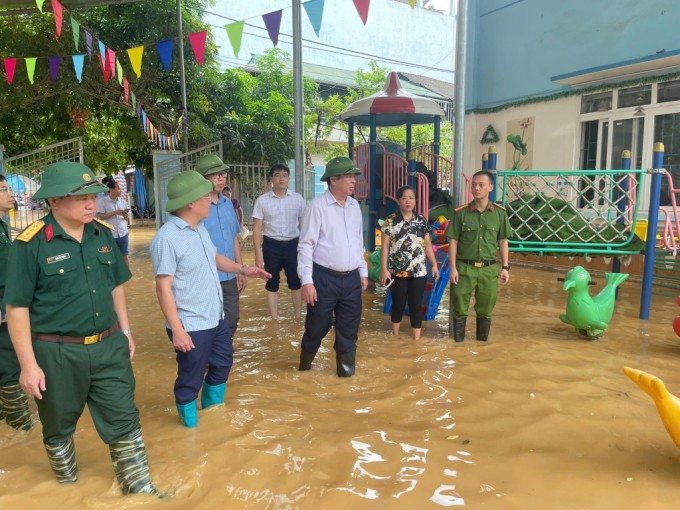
{"x":276,"y":229}
{"x":332,"y":268}
{"x":113,"y":209}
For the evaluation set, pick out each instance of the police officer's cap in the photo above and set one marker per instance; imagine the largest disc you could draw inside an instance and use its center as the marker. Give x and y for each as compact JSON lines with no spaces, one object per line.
{"x":67,"y":178}
{"x":209,"y":164}
{"x":185,"y":188}
{"x":339,"y":166}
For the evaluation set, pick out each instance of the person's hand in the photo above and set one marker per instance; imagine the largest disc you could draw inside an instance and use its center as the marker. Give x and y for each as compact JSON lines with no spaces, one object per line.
{"x":256,"y":272}
{"x":259,"y":261}
{"x":309,"y":293}
{"x":384,"y":276}
{"x":131,"y":344}
{"x":32,"y":381}
{"x":505,"y":276}
{"x":364,"y":283}
{"x":242,"y":282}
{"x":454,"y":276}
{"x":182,"y":341}
{"x":435,"y":272}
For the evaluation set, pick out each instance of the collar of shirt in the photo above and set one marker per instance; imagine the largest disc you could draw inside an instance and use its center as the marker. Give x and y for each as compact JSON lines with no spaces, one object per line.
{"x":178,"y":222}
{"x":51,"y":223}
{"x":220,"y":199}
{"x":274,"y":195}
{"x":489,"y":207}
{"x":330,"y":199}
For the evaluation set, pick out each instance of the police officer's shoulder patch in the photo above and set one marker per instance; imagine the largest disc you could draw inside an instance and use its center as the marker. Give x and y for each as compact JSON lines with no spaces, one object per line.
{"x":30,"y":231}
{"x":460,"y":208}
{"x":107,"y":225}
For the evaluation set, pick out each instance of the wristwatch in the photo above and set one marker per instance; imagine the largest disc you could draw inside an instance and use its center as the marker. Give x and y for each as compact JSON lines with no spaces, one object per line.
{"x":126,"y":331}
{"x":507,"y":268}
{"x":243,"y":268}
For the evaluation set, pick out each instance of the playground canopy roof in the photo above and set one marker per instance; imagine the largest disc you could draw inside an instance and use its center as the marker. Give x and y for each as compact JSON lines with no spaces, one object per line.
{"x":9,"y":7}
{"x":393,"y":106}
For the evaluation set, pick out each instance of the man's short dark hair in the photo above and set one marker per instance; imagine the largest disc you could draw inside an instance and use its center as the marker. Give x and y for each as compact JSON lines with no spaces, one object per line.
{"x":484,"y":172}
{"x":2,"y":178}
{"x":109,"y":182}
{"x":278,"y":166}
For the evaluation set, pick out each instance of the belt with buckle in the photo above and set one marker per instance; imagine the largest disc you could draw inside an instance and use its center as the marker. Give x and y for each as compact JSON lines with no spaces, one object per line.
{"x":279,"y":242}
{"x":339,"y":274}
{"x":87,"y":340}
{"x":478,"y":263}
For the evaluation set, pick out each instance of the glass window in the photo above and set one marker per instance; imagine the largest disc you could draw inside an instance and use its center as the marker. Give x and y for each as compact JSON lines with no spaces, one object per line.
{"x":667,"y":130}
{"x":669,"y":91}
{"x":635,"y":96}
{"x":600,"y":102}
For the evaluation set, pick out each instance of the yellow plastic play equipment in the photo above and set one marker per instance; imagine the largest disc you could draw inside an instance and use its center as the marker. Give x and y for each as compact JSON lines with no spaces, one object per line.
{"x":668,"y":405}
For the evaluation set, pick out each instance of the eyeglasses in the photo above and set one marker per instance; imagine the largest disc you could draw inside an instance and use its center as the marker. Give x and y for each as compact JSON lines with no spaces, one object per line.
{"x":7,"y":189}
{"x":219,"y":175}
{"x":207,"y":197}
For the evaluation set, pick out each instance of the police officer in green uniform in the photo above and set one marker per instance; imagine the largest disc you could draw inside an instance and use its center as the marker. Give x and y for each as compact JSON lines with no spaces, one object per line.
{"x":67,"y":316}
{"x":475,"y":233}
{"x":13,"y":401}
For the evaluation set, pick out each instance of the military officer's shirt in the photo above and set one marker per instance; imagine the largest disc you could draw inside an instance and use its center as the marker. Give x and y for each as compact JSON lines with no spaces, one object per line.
{"x":5,"y":243}
{"x":65,"y":284}
{"x":478,"y":232}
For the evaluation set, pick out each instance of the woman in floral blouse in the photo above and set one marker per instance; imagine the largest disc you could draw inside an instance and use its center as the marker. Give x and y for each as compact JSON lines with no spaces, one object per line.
{"x":406,"y":242}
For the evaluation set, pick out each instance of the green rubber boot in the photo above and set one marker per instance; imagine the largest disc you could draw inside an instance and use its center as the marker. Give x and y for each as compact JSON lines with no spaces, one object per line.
{"x":62,"y":457}
{"x":14,"y":406}
{"x":131,"y":465}
{"x":212,"y":395}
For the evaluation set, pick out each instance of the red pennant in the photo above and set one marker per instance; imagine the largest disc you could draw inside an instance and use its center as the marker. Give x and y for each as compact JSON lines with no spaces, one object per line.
{"x":362,"y":8}
{"x":58,"y":16}
{"x":111,"y":62}
{"x":126,"y":90}
{"x":105,"y":69}
{"x":197,"y":40}
{"x":10,"y":66}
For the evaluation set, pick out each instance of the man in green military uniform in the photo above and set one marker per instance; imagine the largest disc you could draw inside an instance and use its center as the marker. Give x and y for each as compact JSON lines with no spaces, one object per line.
{"x":67,"y":316}
{"x":13,"y":401}
{"x":475,"y":233}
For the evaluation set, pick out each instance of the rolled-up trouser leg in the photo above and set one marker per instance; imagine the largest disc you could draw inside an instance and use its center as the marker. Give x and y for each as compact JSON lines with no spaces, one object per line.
{"x":62,"y":457}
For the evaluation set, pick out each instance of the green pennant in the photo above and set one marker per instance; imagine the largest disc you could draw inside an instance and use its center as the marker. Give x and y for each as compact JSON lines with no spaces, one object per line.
{"x":119,"y":72}
{"x":235,"y":34}
{"x":490,"y":135}
{"x":75,"y":28}
{"x":30,"y":67}
{"x":40,"y":3}
{"x":133,"y":98}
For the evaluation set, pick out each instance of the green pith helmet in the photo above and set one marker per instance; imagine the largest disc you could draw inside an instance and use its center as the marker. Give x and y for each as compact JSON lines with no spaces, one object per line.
{"x":186,"y":187}
{"x":68,"y":178}
{"x":209,"y":164}
{"x":339,"y":166}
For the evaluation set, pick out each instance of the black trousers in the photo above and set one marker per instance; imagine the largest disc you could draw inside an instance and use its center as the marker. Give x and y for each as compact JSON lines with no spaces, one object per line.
{"x":409,"y":289}
{"x":339,"y":301}
{"x":279,"y":255}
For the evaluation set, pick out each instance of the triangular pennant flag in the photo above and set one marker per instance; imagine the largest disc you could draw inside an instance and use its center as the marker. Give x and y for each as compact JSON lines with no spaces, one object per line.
{"x":197,"y":40}
{"x":314,"y":10}
{"x":126,"y":90}
{"x":412,"y":3}
{"x":102,"y":51}
{"x":30,"y":67}
{"x":88,"y":40}
{"x":111,"y":61}
{"x":165,"y":52}
{"x":362,"y":8}
{"x":58,"y":16}
{"x":135,"y":55}
{"x":119,"y":72}
{"x":235,"y":34}
{"x":145,"y":121}
{"x":104,"y":68}
{"x":78,"y":61}
{"x":139,"y":109}
{"x":40,"y":3}
{"x":272,"y":20}
{"x":75,"y":28}
{"x":133,"y":98}
{"x":54,"y":67}
{"x":10,"y":66}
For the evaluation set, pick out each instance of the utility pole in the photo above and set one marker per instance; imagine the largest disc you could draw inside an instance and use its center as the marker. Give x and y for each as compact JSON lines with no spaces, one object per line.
{"x":182,"y":75}
{"x":299,"y":120}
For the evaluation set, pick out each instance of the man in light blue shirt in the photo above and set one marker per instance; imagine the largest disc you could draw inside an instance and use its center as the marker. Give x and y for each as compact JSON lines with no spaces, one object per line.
{"x":186,"y":263}
{"x":223,"y":226}
{"x":332,"y":268}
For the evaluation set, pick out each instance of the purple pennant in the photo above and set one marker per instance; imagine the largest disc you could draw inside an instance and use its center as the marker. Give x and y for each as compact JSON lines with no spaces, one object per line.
{"x":165,"y":52}
{"x":272,"y":21}
{"x":139,"y":112}
{"x":88,"y":39}
{"x":54,"y":67}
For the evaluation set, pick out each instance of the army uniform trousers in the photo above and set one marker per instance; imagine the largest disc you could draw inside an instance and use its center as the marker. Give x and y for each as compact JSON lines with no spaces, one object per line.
{"x":483,"y":281}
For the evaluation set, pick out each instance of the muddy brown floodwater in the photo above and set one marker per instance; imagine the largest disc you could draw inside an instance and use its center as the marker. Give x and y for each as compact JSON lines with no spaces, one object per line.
{"x":536,"y":419}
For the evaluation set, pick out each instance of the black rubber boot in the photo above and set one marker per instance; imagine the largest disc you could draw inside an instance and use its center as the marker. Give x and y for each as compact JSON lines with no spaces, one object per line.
{"x":306,"y":359}
{"x":483,"y":327}
{"x":14,"y":406}
{"x":346,"y":363}
{"x":459,"y":328}
{"x":131,"y":466}
{"x":62,"y":457}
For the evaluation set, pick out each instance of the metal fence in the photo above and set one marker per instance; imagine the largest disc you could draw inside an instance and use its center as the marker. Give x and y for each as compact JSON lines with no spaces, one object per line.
{"x":25,"y":174}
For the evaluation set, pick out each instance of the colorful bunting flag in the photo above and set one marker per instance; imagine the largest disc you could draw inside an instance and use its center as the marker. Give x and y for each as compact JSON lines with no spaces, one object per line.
{"x":314,"y":10}
{"x":126,"y":90}
{"x":88,"y":40}
{"x":10,"y":66}
{"x":30,"y":67}
{"x":58,"y":16}
{"x":111,"y":61}
{"x":235,"y":34}
{"x":165,"y":52}
{"x":362,"y":8}
{"x":119,"y":72}
{"x":104,"y":67}
{"x":272,"y":21}
{"x":40,"y":3}
{"x":412,"y":3}
{"x":75,"y":28}
{"x":54,"y":67}
{"x":133,"y":98}
{"x":78,"y":61}
{"x":197,"y":40}
{"x":135,"y":55}
{"x":139,"y":109}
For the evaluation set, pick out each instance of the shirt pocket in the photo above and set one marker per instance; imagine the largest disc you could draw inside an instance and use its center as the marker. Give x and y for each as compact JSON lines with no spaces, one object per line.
{"x":468,"y":234}
{"x":490,"y":234}
{"x":62,"y":278}
{"x":106,"y":265}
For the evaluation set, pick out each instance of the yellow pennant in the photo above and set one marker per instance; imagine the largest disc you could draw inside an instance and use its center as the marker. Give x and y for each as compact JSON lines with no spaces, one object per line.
{"x":135,"y":55}
{"x":412,"y":3}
